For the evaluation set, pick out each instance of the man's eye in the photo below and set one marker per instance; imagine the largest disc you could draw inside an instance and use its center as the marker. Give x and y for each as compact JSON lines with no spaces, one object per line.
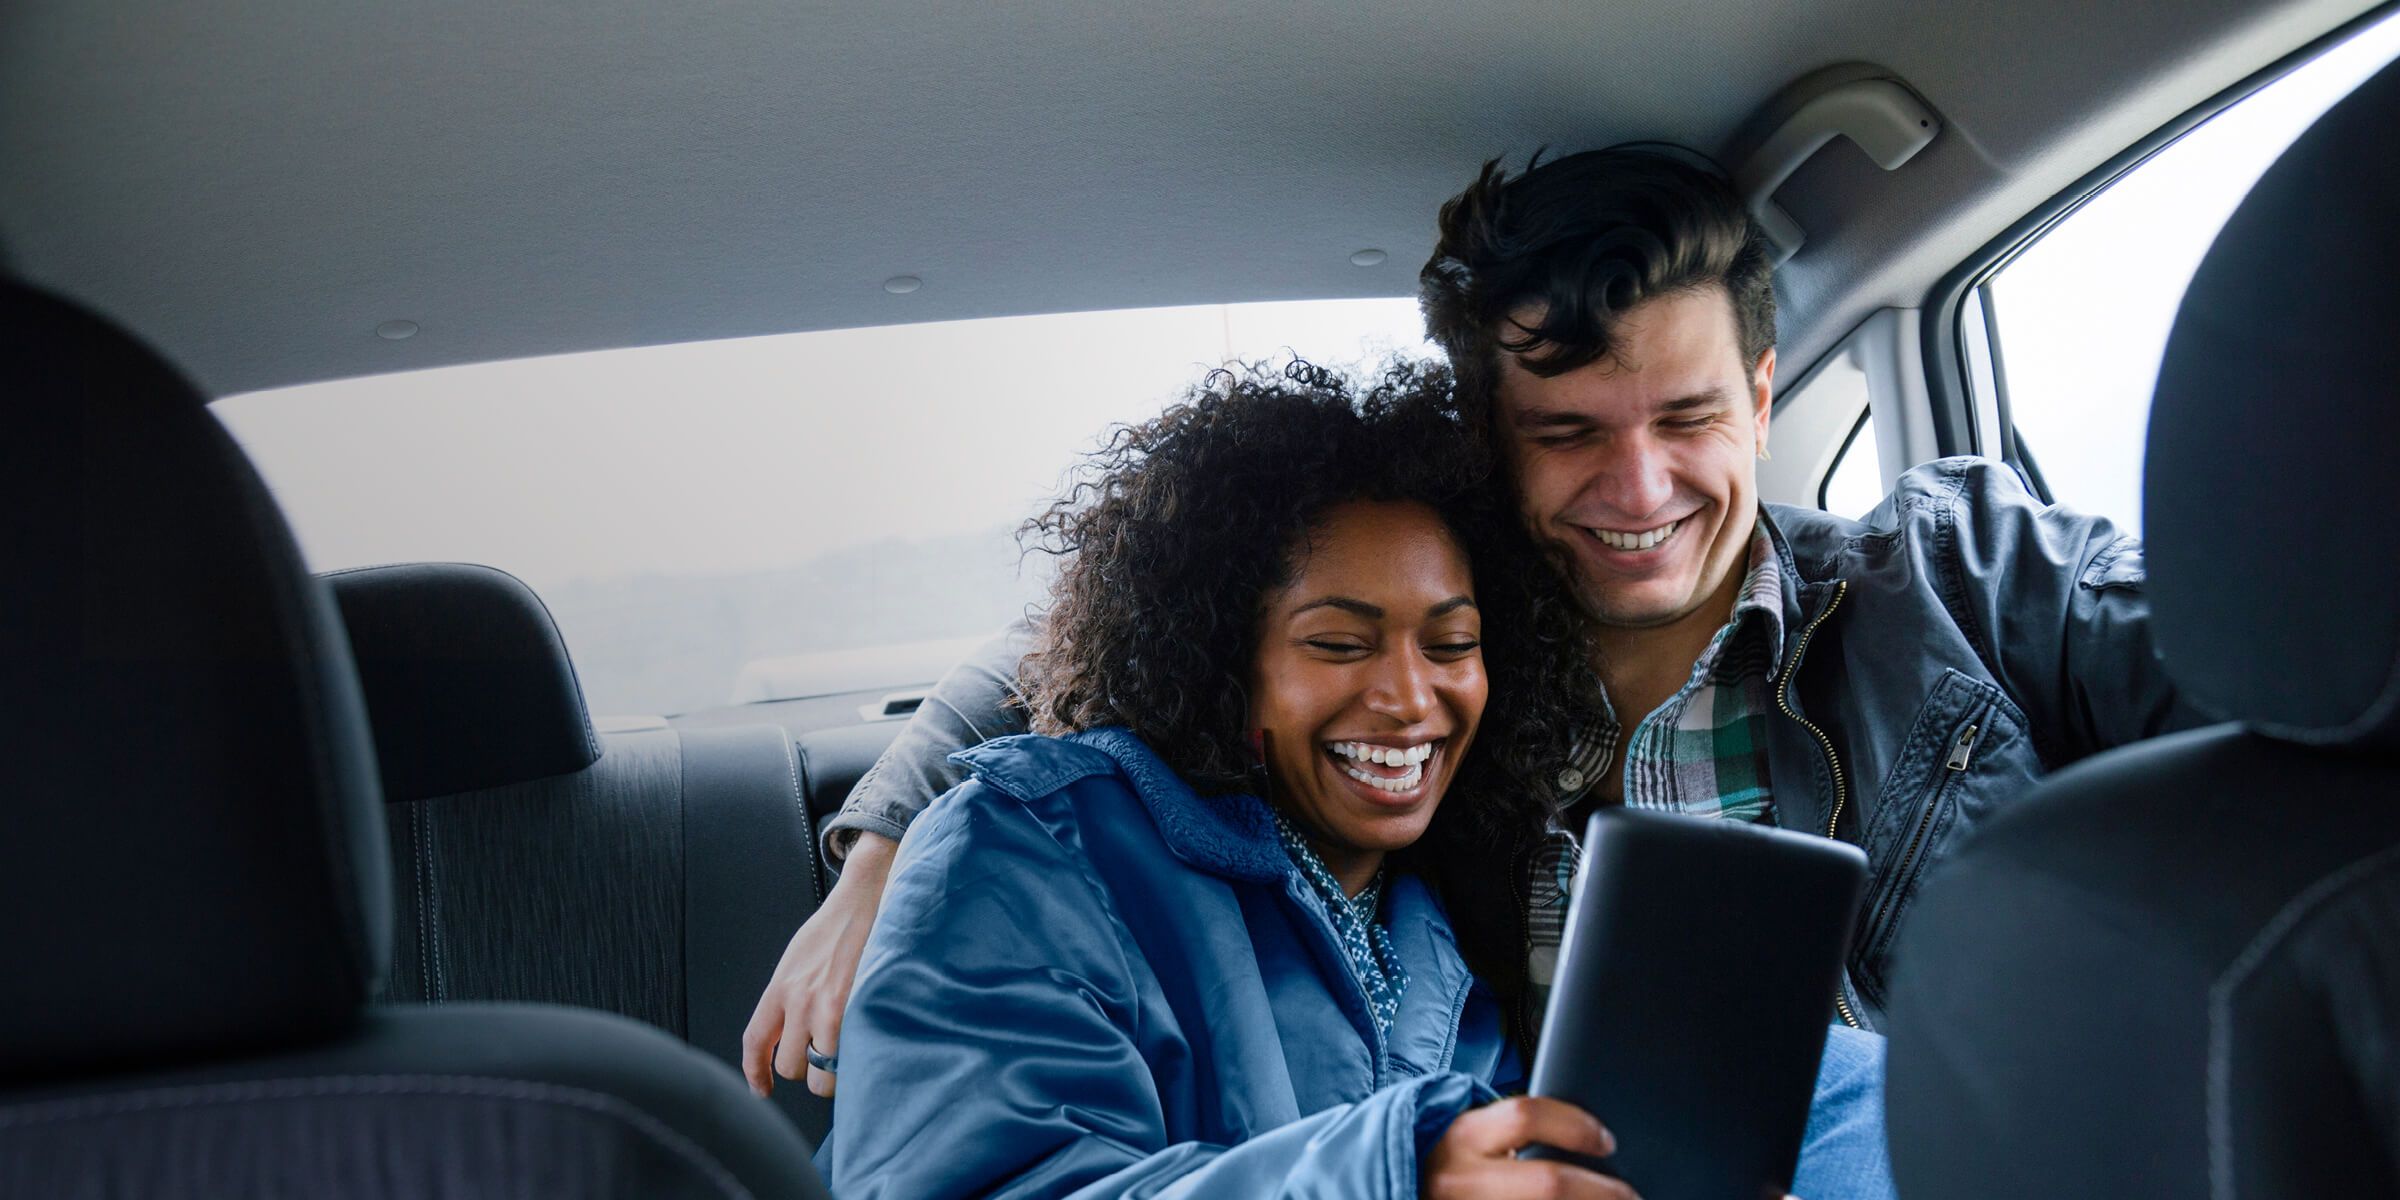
{"x":1692,"y":424}
{"x":1555,"y":440}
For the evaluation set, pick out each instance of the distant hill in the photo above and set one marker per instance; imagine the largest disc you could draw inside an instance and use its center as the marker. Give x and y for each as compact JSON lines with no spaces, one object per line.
{"x":649,"y":643}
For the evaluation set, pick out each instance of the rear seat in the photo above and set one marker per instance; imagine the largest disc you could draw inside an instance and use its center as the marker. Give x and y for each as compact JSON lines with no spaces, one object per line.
{"x":656,"y":874}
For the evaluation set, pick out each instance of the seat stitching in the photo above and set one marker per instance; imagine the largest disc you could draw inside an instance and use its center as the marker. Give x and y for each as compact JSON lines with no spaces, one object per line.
{"x":2220,"y":1005}
{"x":252,"y":1090}
{"x":424,"y":915}
{"x":808,"y":829}
{"x":439,"y":992}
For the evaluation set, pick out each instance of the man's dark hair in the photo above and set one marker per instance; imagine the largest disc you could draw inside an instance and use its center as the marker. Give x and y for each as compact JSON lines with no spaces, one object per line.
{"x":1584,"y":239}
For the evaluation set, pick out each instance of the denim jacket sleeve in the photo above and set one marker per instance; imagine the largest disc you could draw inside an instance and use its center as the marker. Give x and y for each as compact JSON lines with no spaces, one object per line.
{"x":2055,"y":599}
{"x":967,"y":708}
{"x":990,"y":1048}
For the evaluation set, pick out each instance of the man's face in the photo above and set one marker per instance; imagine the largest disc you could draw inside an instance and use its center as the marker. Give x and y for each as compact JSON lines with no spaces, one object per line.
{"x":1640,"y":469}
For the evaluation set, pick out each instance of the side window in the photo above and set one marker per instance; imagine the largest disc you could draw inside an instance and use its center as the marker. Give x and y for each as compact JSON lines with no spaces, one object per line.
{"x":1856,"y":482}
{"x":1842,"y":433}
{"x":2078,"y":321}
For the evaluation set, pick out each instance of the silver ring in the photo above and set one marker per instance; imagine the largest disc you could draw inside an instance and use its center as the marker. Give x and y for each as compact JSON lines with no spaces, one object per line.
{"x":821,"y":1061}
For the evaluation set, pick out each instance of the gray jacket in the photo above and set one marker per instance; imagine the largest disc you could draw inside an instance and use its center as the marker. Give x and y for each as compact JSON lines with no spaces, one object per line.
{"x":1940,"y":655}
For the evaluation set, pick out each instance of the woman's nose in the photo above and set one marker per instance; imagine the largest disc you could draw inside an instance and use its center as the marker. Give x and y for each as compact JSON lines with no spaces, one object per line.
{"x":1402,"y":688}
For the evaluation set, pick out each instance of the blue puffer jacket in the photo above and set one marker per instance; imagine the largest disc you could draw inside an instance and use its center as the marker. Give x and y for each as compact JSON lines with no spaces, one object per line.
{"x":1088,"y":981}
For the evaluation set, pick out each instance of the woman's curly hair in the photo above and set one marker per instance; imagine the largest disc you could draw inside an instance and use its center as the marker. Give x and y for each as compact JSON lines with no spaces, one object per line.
{"x":1176,"y":532}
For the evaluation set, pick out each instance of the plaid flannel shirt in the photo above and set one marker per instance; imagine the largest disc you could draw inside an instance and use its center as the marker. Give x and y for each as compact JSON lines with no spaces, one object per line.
{"x":1702,"y":753}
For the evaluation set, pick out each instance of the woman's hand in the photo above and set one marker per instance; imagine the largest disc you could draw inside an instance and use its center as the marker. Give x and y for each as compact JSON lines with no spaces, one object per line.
{"x":1477,"y":1156}
{"x":803,"y":1001}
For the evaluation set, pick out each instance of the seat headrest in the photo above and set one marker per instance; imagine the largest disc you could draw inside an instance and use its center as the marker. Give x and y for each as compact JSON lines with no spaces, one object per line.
{"x":2267,"y":494}
{"x":193,"y":861}
{"x":468,"y":684}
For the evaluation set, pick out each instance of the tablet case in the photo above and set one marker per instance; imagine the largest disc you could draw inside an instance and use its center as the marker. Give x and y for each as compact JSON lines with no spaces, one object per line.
{"x":1692,"y":997}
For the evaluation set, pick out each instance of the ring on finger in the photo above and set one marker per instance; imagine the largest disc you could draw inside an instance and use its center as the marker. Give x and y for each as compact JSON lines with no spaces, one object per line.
{"x":821,"y":1060}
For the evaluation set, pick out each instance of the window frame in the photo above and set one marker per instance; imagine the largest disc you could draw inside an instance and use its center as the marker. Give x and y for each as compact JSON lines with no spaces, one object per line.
{"x":1961,"y":351}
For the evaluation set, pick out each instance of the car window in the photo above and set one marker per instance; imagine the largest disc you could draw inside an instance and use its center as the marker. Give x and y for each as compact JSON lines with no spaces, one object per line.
{"x":1856,"y":482}
{"x":824,"y":509}
{"x":2080,"y":319}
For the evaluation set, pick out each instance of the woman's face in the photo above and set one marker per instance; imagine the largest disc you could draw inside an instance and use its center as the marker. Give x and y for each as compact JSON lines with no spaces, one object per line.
{"x":1369,"y":681}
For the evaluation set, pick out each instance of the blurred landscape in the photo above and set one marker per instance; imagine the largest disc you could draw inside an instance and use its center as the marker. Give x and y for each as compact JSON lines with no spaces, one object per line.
{"x":654,"y":643}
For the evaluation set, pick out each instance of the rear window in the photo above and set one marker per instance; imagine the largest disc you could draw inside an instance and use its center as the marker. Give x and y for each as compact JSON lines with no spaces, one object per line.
{"x":829,"y":510}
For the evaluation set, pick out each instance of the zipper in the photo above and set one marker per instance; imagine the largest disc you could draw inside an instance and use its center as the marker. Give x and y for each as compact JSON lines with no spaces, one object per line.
{"x":1841,"y":791}
{"x":1960,"y":750}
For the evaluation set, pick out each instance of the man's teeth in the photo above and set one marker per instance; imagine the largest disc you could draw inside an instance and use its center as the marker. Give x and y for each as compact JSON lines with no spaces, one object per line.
{"x":1411,"y":757}
{"x":1636,"y":541}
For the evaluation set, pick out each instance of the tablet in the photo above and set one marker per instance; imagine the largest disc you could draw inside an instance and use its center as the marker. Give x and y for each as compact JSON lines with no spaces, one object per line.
{"x":1692,"y":997}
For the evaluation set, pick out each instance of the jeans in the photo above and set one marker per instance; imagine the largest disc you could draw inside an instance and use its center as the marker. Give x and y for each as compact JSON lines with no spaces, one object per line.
{"x":1842,"y":1156}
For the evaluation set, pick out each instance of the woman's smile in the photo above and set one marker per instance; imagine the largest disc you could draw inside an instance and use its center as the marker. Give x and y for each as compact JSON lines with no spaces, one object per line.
{"x":1369,"y":681}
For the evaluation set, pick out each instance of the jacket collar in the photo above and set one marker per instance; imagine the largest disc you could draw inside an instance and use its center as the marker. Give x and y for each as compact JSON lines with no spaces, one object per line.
{"x":1805,"y":594}
{"x":1231,"y":835}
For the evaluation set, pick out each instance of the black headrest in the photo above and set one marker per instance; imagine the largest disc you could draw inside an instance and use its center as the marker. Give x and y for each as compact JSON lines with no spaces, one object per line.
{"x":468,"y":684}
{"x":192,"y":861}
{"x":2268,"y":491}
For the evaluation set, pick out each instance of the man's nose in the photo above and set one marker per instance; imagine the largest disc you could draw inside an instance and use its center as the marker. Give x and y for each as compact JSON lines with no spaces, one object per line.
{"x":1632,"y":477}
{"x":1402,"y":688}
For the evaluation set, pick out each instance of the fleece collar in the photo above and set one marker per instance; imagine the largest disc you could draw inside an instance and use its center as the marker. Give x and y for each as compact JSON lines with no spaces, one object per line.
{"x":1230,"y":835}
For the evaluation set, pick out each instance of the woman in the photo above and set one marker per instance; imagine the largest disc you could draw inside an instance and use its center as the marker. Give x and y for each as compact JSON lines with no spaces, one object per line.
{"x":1298,"y":672}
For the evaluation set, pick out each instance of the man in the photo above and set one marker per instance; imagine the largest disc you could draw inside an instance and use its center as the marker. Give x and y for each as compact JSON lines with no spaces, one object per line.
{"x":1887,"y":682}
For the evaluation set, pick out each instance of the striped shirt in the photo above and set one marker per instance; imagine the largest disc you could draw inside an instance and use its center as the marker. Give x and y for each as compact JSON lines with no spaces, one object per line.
{"x":1702,"y":753}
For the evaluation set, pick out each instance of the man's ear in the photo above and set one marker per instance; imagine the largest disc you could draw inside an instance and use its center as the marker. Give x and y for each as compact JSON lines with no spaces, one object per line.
{"x":1762,"y":384}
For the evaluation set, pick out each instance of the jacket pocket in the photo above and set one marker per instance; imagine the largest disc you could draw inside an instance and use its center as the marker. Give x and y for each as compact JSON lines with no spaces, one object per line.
{"x":1959,"y":753}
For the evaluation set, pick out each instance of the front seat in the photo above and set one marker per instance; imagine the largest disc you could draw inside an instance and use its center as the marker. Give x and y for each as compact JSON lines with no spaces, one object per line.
{"x":195,"y":898}
{"x":2175,"y":970}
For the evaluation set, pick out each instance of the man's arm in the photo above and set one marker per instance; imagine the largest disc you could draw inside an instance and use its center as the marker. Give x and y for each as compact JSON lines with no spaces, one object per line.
{"x":2059,"y":599}
{"x":970,"y":706}
{"x":803,"y":1001}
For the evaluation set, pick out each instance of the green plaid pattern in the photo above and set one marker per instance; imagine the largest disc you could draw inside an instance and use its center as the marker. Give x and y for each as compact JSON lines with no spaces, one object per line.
{"x":1702,"y":753}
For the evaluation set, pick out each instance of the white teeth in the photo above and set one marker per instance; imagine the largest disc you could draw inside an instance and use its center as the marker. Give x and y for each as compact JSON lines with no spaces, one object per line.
{"x":1415,"y":776}
{"x":1636,"y":541}
{"x":1386,"y":756}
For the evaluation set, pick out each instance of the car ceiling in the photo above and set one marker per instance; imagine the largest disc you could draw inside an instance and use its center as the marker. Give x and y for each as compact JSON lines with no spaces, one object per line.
{"x":256,"y":186}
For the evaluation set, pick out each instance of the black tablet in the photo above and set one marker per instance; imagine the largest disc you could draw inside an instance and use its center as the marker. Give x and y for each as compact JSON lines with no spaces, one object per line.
{"x":1692,"y":997}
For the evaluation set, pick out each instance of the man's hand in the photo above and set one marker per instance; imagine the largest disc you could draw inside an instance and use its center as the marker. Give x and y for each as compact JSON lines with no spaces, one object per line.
{"x":1477,"y":1156}
{"x":803,"y":1001}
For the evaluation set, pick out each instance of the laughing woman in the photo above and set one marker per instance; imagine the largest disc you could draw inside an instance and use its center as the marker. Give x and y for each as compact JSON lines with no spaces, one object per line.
{"x":1201,"y":933}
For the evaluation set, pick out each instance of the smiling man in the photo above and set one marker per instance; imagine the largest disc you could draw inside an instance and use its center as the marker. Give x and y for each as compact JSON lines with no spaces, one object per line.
{"x":1888,"y":682}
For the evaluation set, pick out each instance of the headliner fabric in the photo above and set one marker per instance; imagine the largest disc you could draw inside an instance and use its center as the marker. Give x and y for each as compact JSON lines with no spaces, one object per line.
{"x":259,"y":186}
{"x":194,"y":856}
{"x":2273,"y":543}
{"x":467,"y":681}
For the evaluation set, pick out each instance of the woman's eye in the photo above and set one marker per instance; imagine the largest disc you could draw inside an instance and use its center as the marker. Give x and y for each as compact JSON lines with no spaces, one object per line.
{"x":1333,"y":647}
{"x":1454,"y":649}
